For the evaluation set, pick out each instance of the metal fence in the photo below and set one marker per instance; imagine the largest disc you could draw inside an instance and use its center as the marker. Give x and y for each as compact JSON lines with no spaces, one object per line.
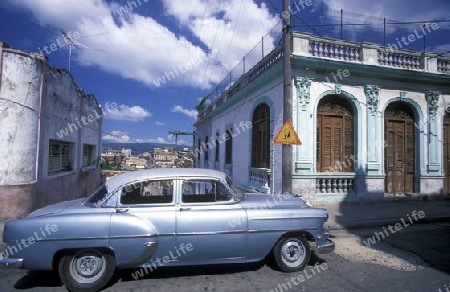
{"x":418,"y":36}
{"x":267,"y":43}
{"x":428,"y":35}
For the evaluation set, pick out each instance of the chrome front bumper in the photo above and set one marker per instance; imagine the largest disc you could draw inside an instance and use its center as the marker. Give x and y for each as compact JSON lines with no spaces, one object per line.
{"x":11,"y":263}
{"x":324,"y":246}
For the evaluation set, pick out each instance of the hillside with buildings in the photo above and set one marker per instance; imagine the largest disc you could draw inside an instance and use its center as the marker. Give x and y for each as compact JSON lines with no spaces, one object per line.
{"x":117,"y":160}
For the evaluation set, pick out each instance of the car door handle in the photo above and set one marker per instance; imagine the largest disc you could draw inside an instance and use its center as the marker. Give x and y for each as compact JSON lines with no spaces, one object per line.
{"x":121,"y":210}
{"x":185,"y":208}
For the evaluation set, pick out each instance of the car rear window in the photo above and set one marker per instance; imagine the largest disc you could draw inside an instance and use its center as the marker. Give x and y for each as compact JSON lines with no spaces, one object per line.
{"x":147,"y":192}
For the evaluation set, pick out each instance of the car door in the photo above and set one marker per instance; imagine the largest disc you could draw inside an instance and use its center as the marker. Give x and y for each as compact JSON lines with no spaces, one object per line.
{"x":210,"y":222}
{"x":143,"y":224}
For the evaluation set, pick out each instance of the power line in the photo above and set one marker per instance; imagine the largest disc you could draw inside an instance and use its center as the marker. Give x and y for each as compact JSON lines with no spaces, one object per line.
{"x":371,"y":23}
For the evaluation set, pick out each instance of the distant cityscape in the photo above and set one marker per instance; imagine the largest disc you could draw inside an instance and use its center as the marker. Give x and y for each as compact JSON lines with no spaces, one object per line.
{"x":117,"y":158}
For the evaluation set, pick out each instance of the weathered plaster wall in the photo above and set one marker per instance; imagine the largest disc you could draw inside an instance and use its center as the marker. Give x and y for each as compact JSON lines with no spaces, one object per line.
{"x":39,"y":103}
{"x":20,"y":86}
{"x":67,"y":187}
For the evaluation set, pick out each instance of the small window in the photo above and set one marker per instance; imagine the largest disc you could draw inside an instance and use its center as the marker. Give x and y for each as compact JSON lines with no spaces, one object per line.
{"x":60,"y":156}
{"x":229,"y":147}
{"x":88,"y":155}
{"x":148,"y":192}
{"x":217,"y":147}
{"x":206,"y":149}
{"x":204,"y":191}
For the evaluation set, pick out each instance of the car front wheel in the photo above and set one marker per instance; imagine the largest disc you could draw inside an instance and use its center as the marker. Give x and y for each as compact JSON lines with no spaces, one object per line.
{"x":86,"y":270}
{"x":292,"y":254}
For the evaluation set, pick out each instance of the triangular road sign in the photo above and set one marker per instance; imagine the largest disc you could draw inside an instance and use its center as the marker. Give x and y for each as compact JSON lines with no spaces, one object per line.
{"x":287,"y":135}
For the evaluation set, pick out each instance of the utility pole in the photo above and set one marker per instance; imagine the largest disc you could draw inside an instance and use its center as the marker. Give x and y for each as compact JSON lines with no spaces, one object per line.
{"x":177,"y":133}
{"x":286,"y":183}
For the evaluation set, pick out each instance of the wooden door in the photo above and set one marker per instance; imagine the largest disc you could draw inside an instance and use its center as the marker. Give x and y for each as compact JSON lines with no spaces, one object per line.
{"x":447,"y":154}
{"x":334,"y":148}
{"x":399,"y":153}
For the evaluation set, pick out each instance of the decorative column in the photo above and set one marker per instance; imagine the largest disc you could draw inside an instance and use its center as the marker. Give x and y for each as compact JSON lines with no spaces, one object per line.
{"x":374,"y":142}
{"x":432,"y":98}
{"x":303,"y":161}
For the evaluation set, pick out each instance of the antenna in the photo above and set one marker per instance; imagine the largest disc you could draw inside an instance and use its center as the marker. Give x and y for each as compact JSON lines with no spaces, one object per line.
{"x":77,"y":44}
{"x":72,"y":42}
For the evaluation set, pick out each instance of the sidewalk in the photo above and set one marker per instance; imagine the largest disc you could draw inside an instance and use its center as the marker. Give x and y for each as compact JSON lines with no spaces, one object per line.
{"x":351,"y":215}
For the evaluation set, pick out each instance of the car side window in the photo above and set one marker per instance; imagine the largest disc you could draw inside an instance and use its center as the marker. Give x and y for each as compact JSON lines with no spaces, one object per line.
{"x":204,"y":191}
{"x":147,"y":192}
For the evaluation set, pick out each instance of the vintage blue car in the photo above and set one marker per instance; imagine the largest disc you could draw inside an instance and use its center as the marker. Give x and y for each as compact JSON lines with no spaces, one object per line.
{"x":164,"y":217}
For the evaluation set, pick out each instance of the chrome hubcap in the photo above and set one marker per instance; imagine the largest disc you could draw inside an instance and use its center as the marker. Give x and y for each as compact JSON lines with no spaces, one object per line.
{"x":87,"y":267}
{"x":292,"y":253}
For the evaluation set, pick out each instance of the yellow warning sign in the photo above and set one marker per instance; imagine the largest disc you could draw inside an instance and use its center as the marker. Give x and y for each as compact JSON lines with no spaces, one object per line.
{"x":287,"y":135}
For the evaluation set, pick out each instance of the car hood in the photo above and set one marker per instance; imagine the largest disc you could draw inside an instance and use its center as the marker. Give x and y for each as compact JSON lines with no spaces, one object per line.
{"x":263,"y":201}
{"x":65,"y":206}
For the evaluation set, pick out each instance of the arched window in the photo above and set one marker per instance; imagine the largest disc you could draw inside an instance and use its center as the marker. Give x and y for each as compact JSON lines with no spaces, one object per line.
{"x":335,"y":138}
{"x":261,"y":137}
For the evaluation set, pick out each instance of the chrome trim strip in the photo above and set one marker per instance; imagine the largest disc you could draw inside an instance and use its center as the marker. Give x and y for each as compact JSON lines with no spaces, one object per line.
{"x":244,"y":231}
{"x":142,"y":236}
{"x":282,"y":230}
{"x":212,"y":232}
{"x":150,"y":249}
{"x":61,"y":239}
{"x":105,"y":237}
{"x":175,"y":234}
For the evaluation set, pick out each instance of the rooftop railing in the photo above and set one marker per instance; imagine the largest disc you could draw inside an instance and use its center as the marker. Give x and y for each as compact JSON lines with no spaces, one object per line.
{"x":322,"y":47}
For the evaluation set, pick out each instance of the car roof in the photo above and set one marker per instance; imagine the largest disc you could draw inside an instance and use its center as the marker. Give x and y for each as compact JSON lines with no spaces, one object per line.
{"x":153,"y":173}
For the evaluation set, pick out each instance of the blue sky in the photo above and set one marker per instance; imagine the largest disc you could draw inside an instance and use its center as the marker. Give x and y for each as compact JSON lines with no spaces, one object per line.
{"x":156,"y":58}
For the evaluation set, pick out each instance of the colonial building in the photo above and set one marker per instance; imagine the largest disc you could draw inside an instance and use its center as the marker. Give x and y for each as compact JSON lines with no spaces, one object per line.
{"x":50,"y":135}
{"x":134,"y":163}
{"x":373,"y":122}
{"x":164,"y":157}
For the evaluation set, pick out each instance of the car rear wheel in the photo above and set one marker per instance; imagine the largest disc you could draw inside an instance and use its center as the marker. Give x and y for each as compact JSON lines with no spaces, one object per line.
{"x":86,"y":270}
{"x":292,"y":254}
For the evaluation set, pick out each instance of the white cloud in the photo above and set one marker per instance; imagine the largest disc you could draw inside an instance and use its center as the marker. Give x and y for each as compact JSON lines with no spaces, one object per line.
{"x":160,"y":124}
{"x":126,"y":113}
{"x":122,"y":137}
{"x":153,"y":140}
{"x":180,"y":109}
{"x":140,"y":48}
{"x":117,"y":137}
{"x":223,"y":26}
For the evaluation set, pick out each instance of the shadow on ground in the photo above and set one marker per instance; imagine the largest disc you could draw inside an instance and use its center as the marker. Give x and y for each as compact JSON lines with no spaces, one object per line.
{"x":189,"y":271}
{"x":432,"y":245}
{"x":35,"y":279}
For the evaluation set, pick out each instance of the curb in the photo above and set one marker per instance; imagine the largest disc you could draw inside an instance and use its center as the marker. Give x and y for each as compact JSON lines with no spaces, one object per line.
{"x":383,"y":222}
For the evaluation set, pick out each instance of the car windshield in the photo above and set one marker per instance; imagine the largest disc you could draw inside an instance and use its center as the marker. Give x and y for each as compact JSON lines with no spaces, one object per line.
{"x":239,"y":194}
{"x":98,"y":196}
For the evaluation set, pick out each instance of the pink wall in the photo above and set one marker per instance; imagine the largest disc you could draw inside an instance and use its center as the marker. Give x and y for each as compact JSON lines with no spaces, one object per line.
{"x":19,"y":200}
